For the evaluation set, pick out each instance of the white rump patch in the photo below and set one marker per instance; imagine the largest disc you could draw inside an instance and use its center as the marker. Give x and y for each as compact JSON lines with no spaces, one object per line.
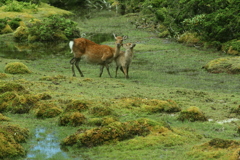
{"x":71,"y":46}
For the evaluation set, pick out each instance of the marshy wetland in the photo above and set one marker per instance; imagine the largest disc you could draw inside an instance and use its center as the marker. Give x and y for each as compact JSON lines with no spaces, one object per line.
{"x":169,"y":108}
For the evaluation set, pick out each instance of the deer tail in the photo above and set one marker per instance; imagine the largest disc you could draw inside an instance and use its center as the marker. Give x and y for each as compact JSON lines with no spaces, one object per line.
{"x":71,"y":45}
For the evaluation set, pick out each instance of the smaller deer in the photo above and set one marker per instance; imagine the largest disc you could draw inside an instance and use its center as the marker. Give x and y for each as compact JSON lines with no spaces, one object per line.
{"x":119,"y":39}
{"x":124,"y":59}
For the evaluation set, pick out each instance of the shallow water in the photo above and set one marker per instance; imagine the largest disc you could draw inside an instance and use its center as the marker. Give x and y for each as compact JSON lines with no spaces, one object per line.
{"x":46,"y":145}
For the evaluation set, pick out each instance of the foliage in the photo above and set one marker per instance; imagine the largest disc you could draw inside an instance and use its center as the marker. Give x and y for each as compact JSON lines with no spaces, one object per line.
{"x":53,"y":28}
{"x":215,"y":22}
{"x":15,"y":6}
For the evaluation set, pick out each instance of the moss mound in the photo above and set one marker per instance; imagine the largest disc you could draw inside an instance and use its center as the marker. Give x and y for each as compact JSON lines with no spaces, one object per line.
{"x":3,"y":75}
{"x":189,"y":38}
{"x":101,"y":121}
{"x":5,"y":87}
{"x":47,"y":110}
{"x":228,"y":65}
{"x":150,"y":105}
{"x":232,"y":47}
{"x":217,"y":149}
{"x":4,"y":118}
{"x":192,"y":114}
{"x":16,"y":68}
{"x":72,"y":118}
{"x":15,"y":99}
{"x":116,"y":131}
{"x":77,"y":105}
{"x":10,"y":137}
{"x":101,"y":111}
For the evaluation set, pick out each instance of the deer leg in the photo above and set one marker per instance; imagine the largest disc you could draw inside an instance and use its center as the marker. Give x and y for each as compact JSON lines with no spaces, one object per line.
{"x":125,"y":72}
{"x":121,"y":68}
{"x":116,"y":72}
{"x":72,"y":62}
{"x":77,"y":66}
{"x":108,"y":70}
{"x":101,"y":70}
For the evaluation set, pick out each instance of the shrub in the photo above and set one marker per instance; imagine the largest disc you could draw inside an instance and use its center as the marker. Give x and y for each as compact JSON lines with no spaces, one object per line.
{"x":53,"y":28}
{"x":16,"y":68}
{"x":192,"y":114}
{"x":72,"y":119}
{"x":15,"y":6}
{"x":14,"y":23}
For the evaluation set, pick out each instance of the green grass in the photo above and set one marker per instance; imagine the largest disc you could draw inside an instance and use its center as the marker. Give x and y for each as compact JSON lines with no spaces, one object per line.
{"x":161,"y":69}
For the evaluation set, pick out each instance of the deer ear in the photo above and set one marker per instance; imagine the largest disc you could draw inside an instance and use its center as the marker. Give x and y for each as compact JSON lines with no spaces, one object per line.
{"x":114,"y":35}
{"x":125,"y":37}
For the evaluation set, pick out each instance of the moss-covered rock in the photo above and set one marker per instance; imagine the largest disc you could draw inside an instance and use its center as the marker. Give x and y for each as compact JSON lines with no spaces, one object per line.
{"x":7,"y":29}
{"x":113,"y":132}
{"x":5,"y":87}
{"x":4,"y":118}
{"x":192,"y":114}
{"x":21,"y":33}
{"x":47,"y":110}
{"x":16,"y":68}
{"x":156,"y":106}
{"x":228,"y":65}
{"x":101,"y":111}
{"x":189,"y":38}
{"x":232,"y":47}
{"x":77,"y":105}
{"x":10,"y":137}
{"x":72,"y":118}
{"x":101,"y":121}
{"x":3,"y":75}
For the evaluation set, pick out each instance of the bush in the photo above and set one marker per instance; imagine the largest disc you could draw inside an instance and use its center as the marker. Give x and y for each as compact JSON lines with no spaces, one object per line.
{"x":15,"y":6}
{"x":53,"y":28}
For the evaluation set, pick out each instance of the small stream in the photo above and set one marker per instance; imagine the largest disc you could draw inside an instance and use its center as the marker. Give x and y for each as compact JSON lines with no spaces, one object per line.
{"x":46,"y":145}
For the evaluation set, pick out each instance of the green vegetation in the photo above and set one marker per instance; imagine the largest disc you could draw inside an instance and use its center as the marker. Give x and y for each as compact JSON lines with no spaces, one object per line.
{"x":148,"y":116}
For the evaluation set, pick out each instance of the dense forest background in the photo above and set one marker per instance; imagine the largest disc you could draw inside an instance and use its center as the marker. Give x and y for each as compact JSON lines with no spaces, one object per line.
{"x":203,"y":22}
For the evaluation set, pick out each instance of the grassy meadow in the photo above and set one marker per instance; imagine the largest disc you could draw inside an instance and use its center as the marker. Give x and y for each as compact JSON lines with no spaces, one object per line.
{"x":162,"y":71}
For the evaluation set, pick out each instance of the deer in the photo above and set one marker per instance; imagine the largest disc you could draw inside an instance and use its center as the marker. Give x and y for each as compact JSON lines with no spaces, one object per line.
{"x":94,"y":53}
{"x":124,"y":59}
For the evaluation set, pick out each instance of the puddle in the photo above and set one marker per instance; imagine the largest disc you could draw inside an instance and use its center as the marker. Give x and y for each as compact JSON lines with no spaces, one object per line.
{"x":228,"y":120}
{"x":225,"y":121}
{"x":46,"y":146}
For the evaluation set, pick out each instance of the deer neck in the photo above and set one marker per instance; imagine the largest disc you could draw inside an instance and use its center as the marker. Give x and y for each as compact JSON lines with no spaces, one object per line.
{"x":117,"y":50}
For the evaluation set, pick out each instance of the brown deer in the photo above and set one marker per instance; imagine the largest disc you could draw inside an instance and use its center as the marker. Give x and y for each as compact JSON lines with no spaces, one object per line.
{"x":94,"y":53}
{"x":124,"y":59}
